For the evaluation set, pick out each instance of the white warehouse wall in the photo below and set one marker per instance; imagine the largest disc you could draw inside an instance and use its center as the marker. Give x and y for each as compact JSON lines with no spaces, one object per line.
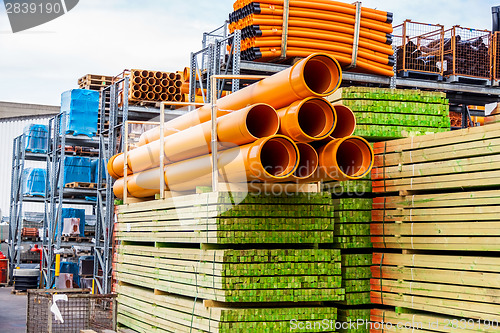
{"x":9,"y":130}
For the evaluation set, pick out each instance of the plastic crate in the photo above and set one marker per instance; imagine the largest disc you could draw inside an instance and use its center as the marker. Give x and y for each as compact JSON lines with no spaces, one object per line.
{"x":467,"y":52}
{"x":81,"y":109}
{"x":33,"y":182}
{"x":419,"y":47}
{"x":37,"y":138}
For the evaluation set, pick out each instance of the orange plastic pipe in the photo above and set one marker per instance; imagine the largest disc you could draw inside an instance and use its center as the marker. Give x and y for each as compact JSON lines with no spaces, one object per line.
{"x":158,"y":89}
{"x":164,"y":83}
{"x":327,"y":36}
{"x":344,"y":159}
{"x":346,"y":122}
{"x":171,"y":76}
{"x":305,"y":43}
{"x":323,"y":16}
{"x":327,"y":5}
{"x":136,"y":94}
{"x":308,"y":163}
{"x":177,"y":97}
{"x":366,"y":13}
{"x":317,"y":75}
{"x":151,"y":81}
{"x":185,"y":88}
{"x":144,"y":87}
{"x":320,"y":25}
{"x":150,"y":95}
{"x":374,"y":68}
{"x":236,"y":128}
{"x":308,"y":120}
{"x":137,"y":80}
{"x":164,"y":97}
{"x":272,"y":158}
{"x":144,"y":74}
{"x":158,"y":75}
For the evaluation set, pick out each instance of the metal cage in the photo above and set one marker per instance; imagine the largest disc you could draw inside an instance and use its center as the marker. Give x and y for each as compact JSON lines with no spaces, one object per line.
{"x":419,"y":47}
{"x":467,"y":52}
{"x":495,"y":47}
{"x":81,"y":311}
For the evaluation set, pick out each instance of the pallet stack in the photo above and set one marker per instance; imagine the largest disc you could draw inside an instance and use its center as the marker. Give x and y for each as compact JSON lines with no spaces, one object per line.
{"x":383,"y":114}
{"x":97,"y":82}
{"x":435,"y":227}
{"x":227,"y":262}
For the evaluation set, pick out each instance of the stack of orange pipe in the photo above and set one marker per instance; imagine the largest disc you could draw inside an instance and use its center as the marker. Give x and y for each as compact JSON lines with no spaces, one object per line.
{"x":198,"y":91}
{"x":155,"y":86}
{"x":279,"y":129}
{"x":315,"y":26}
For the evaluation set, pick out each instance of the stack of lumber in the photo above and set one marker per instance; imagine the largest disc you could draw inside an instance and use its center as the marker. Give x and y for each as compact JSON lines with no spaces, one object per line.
{"x":280,"y":275}
{"x":411,"y":321}
{"x":455,"y":285}
{"x":145,"y":310}
{"x":349,"y":318}
{"x":466,"y":221}
{"x":229,"y":262}
{"x":222,"y":218}
{"x":356,"y":276}
{"x":383,"y":114}
{"x":463,"y":159}
{"x":492,"y":119}
{"x":352,"y":222}
{"x":437,"y":226}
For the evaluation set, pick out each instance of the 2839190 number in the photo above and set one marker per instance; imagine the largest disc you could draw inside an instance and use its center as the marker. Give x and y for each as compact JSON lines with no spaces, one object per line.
{"x":33,"y":8}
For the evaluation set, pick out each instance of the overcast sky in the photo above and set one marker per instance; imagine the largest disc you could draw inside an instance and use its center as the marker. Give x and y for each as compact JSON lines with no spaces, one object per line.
{"x":106,"y":37}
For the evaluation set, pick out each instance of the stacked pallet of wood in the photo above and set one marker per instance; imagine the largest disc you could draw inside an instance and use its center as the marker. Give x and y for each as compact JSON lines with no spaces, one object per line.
{"x":94,"y":82}
{"x":383,"y":114}
{"x":436,"y":226}
{"x":154,"y":86}
{"x":228,"y":262}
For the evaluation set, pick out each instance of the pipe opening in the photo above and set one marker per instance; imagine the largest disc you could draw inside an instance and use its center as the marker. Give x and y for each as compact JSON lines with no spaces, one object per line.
{"x":316,"y":118}
{"x":354,"y":157}
{"x":308,"y":161}
{"x":346,"y":122}
{"x":275,"y":158}
{"x":137,"y":73}
{"x":255,"y":125}
{"x":322,"y":75}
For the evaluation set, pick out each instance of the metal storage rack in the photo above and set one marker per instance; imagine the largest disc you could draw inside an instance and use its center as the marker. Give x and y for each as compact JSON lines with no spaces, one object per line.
{"x":17,"y":198}
{"x":58,"y":195}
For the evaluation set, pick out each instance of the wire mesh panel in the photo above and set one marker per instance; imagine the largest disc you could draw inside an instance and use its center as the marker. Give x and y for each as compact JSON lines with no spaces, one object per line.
{"x":495,"y":47}
{"x":80,"y":311}
{"x":467,"y":52}
{"x":419,"y":47}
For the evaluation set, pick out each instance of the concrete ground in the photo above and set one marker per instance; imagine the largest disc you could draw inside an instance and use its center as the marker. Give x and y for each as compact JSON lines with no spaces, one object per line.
{"x":12,"y":311}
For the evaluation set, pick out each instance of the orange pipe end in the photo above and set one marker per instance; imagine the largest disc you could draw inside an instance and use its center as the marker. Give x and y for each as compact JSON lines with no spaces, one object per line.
{"x":144,"y":87}
{"x":158,"y":89}
{"x":346,"y":122}
{"x":171,"y":76}
{"x":345,"y":159}
{"x":158,"y":75}
{"x":164,"y":83}
{"x":178,"y":83}
{"x":247,"y":125}
{"x":151,"y":81}
{"x":178,"y":77}
{"x":308,"y":120}
{"x":150,"y":95}
{"x":136,"y":72}
{"x":144,"y":74}
{"x":137,"y":80}
{"x":308,"y":162}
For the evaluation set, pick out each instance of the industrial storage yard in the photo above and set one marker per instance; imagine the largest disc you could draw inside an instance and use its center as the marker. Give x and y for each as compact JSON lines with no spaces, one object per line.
{"x":317,"y":166}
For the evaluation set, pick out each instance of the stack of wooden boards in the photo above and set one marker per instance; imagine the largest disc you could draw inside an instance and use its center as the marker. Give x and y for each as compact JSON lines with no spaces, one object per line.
{"x":441,"y":211}
{"x":383,"y":114}
{"x":228,"y":262}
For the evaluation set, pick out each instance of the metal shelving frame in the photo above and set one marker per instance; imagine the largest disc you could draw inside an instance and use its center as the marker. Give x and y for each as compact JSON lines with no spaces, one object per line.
{"x":58,"y":195}
{"x":19,"y":157}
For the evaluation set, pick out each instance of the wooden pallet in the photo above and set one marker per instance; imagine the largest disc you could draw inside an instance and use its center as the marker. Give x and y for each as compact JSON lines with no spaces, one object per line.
{"x":76,"y":239}
{"x":82,"y":185}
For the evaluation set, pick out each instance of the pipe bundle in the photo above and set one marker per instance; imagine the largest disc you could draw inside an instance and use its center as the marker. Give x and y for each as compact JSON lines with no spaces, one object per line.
{"x":315,"y":26}
{"x":155,"y":86}
{"x":277,"y":130}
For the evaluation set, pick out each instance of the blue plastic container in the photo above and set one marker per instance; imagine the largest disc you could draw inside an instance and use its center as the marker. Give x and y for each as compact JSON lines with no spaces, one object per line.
{"x":77,"y":169}
{"x":33,"y":182}
{"x":94,"y":171}
{"x":81,"y":109}
{"x":37,"y":138}
{"x":74,"y":213}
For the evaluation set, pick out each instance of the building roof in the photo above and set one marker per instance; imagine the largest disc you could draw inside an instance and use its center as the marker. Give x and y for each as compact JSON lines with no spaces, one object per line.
{"x":10,"y":110}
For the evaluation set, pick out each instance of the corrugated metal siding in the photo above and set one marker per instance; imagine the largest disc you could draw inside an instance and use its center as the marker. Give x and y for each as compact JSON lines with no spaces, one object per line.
{"x":8,"y":131}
